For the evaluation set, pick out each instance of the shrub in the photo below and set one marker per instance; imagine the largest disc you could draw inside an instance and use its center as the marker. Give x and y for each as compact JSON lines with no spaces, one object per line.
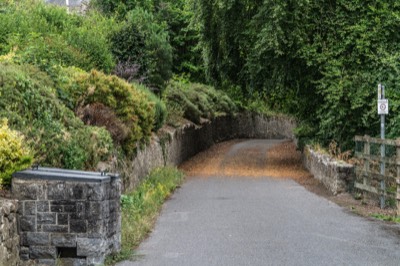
{"x":130,"y":105}
{"x":198,"y":100}
{"x":46,"y":34}
{"x":159,"y":105}
{"x":100,"y":115}
{"x":14,"y":153}
{"x":83,"y":148}
{"x":145,"y":42}
{"x":53,"y":132}
{"x":47,"y":50}
{"x":91,"y":37}
{"x":182,"y":28}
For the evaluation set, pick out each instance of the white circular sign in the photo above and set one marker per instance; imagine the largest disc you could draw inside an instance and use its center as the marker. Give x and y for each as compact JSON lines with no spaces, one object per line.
{"x":383,"y":107}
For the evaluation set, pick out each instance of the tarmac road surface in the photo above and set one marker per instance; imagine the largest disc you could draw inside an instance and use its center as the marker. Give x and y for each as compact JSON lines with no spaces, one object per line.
{"x":228,"y":221}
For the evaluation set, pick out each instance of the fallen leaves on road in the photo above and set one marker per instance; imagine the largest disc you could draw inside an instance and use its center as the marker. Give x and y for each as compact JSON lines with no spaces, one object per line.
{"x":280,"y":161}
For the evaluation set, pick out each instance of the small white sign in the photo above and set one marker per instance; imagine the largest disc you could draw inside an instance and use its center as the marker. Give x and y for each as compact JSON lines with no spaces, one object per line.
{"x":383,"y":107}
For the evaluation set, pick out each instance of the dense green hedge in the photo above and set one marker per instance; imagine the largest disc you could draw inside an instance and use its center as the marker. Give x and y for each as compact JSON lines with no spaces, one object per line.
{"x":153,"y":31}
{"x":46,"y":34}
{"x":197,"y":101}
{"x":14,"y":153}
{"x":126,"y":110}
{"x":319,"y":60}
{"x":143,"y":41}
{"x":55,"y":88}
{"x":57,"y":137}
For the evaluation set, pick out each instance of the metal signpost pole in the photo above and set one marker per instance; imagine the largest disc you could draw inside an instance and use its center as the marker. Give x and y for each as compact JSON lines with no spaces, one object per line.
{"x":381,"y":96}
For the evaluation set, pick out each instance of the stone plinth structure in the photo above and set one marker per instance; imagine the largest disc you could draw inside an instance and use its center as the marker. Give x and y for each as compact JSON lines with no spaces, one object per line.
{"x":66,"y":216}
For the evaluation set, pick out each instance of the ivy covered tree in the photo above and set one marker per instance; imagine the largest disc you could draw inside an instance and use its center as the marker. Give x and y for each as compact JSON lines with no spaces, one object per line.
{"x":318,"y":60}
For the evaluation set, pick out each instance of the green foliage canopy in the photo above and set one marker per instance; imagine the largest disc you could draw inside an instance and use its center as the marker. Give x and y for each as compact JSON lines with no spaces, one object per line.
{"x":319,"y":60}
{"x":160,"y":36}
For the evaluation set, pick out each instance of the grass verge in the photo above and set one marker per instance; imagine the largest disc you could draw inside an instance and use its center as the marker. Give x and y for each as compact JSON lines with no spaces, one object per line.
{"x":141,"y":207}
{"x":387,"y":218}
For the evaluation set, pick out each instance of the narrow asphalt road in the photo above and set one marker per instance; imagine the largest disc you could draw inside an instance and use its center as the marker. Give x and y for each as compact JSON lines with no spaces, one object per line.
{"x":221,"y":220}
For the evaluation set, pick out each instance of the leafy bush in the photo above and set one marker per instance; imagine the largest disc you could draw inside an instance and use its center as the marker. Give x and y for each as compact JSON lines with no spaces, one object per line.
{"x":46,"y":34}
{"x":159,"y":105}
{"x":177,"y":18}
{"x":14,"y":153}
{"x":45,"y":51}
{"x":198,"y":100}
{"x":98,"y":114}
{"x":184,"y":37}
{"x":143,"y":41}
{"x":91,"y":37}
{"x":318,"y":60}
{"x":130,"y":105}
{"x":57,"y":137}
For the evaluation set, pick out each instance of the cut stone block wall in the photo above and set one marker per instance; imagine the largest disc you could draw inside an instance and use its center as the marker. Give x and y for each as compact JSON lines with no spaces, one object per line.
{"x":9,"y":238}
{"x":337,"y":176}
{"x":182,"y":143}
{"x":67,"y":215}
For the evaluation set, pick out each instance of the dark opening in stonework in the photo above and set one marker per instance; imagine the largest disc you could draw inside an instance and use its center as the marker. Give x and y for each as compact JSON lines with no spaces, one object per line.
{"x":63,"y":252}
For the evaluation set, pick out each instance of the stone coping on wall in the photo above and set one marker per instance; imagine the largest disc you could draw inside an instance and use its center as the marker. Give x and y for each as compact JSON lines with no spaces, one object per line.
{"x":334,"y":174}
{"x":44,"y":173}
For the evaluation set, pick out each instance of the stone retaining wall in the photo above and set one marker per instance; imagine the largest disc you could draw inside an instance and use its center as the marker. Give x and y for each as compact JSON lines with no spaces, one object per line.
{"x":336,"y":176}
{"x":178,"y":145}
{"x":9,"y":238}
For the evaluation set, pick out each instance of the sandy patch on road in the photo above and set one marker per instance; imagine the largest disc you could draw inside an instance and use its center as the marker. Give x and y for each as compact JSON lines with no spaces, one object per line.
{"x":281,"y":161}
